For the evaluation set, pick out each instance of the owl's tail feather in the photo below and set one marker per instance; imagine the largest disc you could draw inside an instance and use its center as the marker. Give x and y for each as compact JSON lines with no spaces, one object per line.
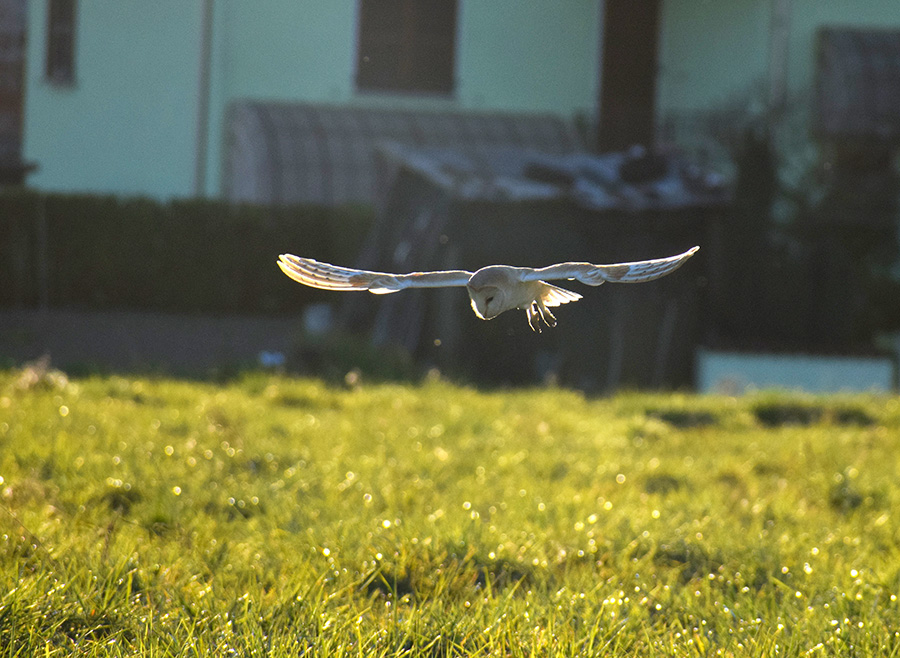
{"x":554,"y":295}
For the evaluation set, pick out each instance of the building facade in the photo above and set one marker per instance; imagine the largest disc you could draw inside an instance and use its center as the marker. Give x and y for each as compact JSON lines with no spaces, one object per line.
{"x":133,"y":98}
{"x":142,"y":110}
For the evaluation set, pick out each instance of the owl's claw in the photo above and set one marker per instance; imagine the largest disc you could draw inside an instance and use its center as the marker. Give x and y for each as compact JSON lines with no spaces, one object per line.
{"x":533,"y":320}
{"x":538,"y":313}
{"x":548,"y":317}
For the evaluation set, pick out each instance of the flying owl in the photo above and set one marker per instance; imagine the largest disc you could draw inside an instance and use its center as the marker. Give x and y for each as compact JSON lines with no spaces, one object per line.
{"x":492,"y":289}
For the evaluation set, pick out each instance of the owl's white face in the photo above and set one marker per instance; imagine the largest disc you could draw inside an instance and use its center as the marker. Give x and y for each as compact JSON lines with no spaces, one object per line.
{"x":487,"y":301}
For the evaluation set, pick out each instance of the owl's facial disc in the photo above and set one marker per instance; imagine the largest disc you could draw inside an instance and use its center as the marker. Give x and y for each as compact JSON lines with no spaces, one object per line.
{"x":487,"y":302}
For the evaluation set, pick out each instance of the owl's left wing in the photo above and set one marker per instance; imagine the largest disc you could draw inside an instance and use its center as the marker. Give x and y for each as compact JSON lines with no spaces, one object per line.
{"x":594,"y":275}
{"x":315,"y":274}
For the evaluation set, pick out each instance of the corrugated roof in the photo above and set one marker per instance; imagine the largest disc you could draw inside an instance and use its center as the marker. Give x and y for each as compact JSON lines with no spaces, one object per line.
{"x":280,"y":153}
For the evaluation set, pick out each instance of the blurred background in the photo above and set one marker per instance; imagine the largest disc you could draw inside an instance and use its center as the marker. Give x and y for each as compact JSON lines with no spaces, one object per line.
{"x":155,"y":158}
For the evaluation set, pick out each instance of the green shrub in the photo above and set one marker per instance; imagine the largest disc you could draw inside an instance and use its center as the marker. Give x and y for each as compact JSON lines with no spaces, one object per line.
{"x":188,"y":256}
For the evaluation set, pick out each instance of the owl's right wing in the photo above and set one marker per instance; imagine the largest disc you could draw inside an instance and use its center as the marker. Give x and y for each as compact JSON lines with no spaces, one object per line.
{"x":594,"y":275}
{"x":312,"y":273}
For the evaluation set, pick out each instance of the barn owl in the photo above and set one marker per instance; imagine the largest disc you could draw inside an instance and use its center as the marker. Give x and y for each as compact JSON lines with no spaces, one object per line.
{"x":492,"y":289}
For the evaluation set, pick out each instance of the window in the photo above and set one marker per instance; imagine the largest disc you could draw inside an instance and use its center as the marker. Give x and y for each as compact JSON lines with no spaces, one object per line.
{"x":61,"y":41}
{"x":406,"y":45}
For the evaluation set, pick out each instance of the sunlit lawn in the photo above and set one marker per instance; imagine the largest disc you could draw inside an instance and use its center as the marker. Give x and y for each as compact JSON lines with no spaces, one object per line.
{"x":284,"y":517}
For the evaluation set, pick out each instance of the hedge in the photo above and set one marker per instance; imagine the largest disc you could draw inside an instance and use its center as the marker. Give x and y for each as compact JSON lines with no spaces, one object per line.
{"x":195,"y":256}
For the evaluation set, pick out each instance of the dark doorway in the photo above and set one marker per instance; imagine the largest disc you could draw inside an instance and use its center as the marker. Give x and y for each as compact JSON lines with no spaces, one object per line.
{"x":628,"y":83}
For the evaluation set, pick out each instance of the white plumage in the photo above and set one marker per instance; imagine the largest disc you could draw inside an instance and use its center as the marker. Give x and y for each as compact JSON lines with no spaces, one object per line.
{"x":492,"y":289}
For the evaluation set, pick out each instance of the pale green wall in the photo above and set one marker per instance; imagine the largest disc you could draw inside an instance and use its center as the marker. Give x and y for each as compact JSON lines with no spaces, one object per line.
{"x":714,"y":74}
{"x":809,"y":15}
{"x":522,"y":55}
{"x":129,"y":123}
{"x":713,"y":51}
{"x":288,"y":50}
{"x":530,"y":55}
{"x":710,"y":50}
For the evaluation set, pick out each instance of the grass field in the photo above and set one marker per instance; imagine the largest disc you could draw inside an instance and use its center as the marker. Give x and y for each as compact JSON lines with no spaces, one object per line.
{"x":281,"y":517}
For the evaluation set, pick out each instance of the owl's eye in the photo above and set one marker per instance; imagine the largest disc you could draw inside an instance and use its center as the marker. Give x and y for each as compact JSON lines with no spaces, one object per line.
{"x":489,"y":299}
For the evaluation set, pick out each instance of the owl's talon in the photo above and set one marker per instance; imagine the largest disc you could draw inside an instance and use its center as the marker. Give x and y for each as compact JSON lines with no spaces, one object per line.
{"x":534,"y":317}
{"x":545,"y":313}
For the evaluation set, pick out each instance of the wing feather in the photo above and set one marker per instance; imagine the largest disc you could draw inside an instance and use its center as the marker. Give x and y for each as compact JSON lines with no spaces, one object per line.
{"x":325,"y":276}
{"x":594,"y":275}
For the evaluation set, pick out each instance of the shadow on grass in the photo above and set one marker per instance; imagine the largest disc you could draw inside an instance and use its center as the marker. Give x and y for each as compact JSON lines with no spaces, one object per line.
{"x":781,"y":412}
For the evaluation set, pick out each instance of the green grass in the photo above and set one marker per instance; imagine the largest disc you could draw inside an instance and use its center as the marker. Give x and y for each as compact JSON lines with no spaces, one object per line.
{"x":282,"y":517}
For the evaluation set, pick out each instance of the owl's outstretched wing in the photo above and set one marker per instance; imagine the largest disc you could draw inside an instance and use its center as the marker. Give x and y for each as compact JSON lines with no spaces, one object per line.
{"x":594,"y":275}
{"x":312,"y":273}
